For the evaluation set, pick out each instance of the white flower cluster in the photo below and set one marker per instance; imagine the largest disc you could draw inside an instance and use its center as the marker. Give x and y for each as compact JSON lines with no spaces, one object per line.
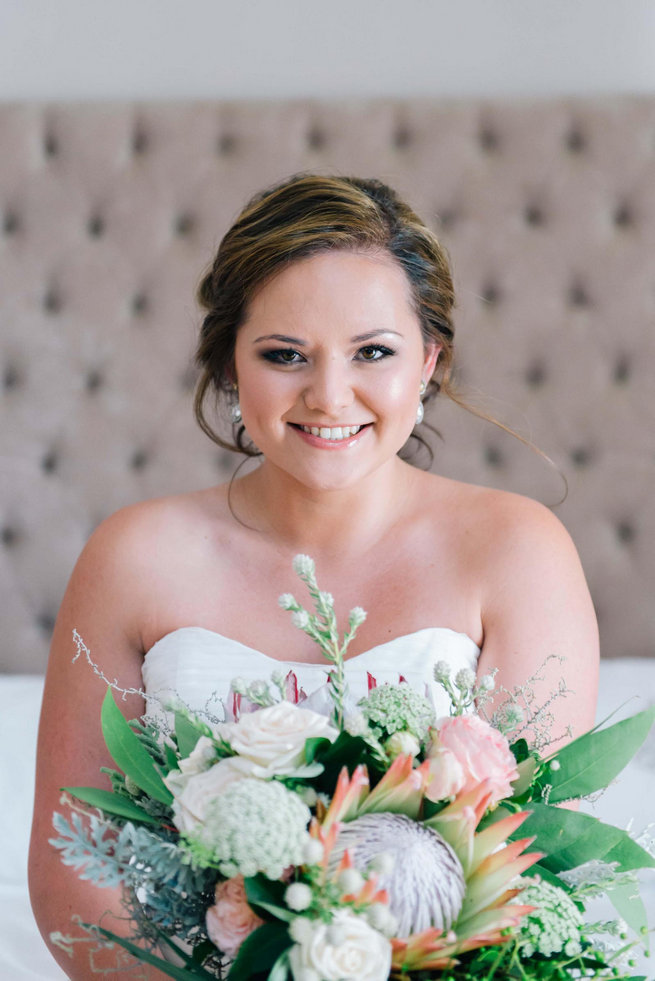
{"x":554,"y":927}
{"x":253,"y":826}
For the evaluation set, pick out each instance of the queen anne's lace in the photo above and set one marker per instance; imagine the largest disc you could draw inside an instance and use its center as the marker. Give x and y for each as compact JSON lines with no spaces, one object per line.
{"x":397,"y":708}
{"x":253,"y":826}
{"x":554,"y":926}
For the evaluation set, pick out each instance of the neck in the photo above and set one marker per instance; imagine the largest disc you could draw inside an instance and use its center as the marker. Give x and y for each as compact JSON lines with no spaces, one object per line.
{"x":320,"y":521}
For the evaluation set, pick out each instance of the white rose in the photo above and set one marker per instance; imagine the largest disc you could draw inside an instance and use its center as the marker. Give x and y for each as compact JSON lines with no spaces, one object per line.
{"x":194,"y":793}
{"x":362,"y":955}
{"x":274,"y":737}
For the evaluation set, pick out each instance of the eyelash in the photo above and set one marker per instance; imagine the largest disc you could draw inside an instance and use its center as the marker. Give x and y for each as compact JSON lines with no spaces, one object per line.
{"x":277,"y":356}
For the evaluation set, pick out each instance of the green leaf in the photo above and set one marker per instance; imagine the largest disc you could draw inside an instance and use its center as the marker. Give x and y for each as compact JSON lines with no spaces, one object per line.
{"x":570,"y":838}
{"x":111,"y":803}
{"x":592,"y":761}
{"x":189,"y":973}
{"x":280,"y":970}
{"x":129,"y":754}
{"x":263,"y":894}
{"x":186,"y":734}
{"x":315,"y":746}
{"x":630,"y":855}
{"x":629,"y":904}
{"x":259,"y":951}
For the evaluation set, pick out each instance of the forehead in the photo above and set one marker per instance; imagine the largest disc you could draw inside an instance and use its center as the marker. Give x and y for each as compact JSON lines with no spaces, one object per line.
{"x":345,"y":286}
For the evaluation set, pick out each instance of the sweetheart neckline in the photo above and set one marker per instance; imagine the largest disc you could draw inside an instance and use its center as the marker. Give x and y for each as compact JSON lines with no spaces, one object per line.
{"x":311,"y":664}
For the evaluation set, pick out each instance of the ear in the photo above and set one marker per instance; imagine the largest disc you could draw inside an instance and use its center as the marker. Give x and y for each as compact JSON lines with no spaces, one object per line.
{"x":432,"y":351}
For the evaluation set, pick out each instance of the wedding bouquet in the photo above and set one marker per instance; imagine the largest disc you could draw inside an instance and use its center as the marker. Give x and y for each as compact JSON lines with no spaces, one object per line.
{"x":361,"y":843}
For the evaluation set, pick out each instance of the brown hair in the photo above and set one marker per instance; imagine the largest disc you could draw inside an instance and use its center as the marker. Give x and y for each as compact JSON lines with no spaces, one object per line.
{"x":304,"y":216}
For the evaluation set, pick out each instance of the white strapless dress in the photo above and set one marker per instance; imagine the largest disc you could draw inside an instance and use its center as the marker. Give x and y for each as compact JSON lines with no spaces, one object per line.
{"x":196,"y":666}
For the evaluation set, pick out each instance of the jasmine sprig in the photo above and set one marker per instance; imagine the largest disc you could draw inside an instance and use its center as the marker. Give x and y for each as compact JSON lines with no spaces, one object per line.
{"x":321,"y":626}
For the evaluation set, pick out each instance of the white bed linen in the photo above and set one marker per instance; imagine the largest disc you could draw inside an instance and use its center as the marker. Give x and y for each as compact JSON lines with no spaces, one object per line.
{"x":23,"y":955}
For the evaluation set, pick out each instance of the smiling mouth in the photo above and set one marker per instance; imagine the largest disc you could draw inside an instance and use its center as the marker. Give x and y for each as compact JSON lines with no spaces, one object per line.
{"x":331,"y":432}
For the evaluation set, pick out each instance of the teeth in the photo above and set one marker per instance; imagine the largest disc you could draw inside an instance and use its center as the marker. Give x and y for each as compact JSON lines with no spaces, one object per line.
{"x":337,"y":432}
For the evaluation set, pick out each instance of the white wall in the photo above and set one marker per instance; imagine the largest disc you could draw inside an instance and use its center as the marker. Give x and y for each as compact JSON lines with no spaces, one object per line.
{"x":90,"y":49}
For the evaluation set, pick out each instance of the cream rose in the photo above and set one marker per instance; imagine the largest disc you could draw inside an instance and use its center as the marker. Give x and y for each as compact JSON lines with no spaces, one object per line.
{"x":193,"y":793}
{"x":231,"y":919}
{"x":274,"y":738}
{"x":482,"y":752}
{"x":347,"y":949}
{"x":446,"y":774}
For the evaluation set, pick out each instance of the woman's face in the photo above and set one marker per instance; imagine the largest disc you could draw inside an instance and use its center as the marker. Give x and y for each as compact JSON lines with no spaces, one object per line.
{"x":329,"y":363}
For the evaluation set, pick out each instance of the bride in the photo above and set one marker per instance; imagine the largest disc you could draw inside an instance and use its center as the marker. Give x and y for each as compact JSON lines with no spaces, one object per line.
{"x":328,"y":322}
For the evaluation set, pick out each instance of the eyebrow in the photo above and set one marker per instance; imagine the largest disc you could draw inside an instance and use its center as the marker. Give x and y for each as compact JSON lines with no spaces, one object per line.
{"x":299,"y":343}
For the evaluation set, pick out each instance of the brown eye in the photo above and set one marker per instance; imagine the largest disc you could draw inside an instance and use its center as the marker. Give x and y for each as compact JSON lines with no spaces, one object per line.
{"x":285,"y":355}
{"x":374,"y":352}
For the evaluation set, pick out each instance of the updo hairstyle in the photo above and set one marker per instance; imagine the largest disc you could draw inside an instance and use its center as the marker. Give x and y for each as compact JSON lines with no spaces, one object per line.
{"x":306,"y":215}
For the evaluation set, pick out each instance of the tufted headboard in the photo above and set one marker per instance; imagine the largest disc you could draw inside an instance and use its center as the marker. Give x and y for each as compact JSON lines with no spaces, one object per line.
{"x":109,"y":213}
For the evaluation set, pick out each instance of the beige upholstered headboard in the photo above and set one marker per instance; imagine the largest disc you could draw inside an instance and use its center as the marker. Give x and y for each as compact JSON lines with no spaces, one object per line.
{"x":109,"y":213}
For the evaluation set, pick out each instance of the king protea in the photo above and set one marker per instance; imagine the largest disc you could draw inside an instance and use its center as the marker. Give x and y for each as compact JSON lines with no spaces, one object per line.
{"x":456,"y":884}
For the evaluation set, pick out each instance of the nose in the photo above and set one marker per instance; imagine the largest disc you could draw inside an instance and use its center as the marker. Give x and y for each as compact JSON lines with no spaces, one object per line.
{"x":329,"y":390}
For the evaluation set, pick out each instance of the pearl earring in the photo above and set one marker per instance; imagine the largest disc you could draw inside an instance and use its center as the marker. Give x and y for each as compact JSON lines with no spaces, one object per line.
{"x":420,"y":412}
{"x":235,"y":408}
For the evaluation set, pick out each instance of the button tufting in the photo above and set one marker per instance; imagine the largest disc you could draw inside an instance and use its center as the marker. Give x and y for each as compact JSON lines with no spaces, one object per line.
{"x":493,"y":457}
{"x":625,"y":532}
{"x":447,"y":217}
{"x":95,"y":226}
{"x":10,"y":223}
{"x":226,"y":143}
{"x":534,"y":215}
{"x":183,"y":224}
{"x":402,"y":138}
{"x":621,"y":372}
{"x":581,"y":456}
{"x":94,"y":381}
{"x":490,"y":294}
{"x":139,"y":142}
{"x":51,"y":301}
{"x":50,"y":462}
{"x":46,"y":622}
{"x":138,"y":460}
{"x":575,"y":141}
{"x":578,"y":296}
{"x":10,"y":536}
{"x":535,"y":376}
{"x":188,"y":378}
{"x":623,"y":216}
{"x":50,"y":145}
{"x":315,"y":138}
{"x":139,"y":304}
{"x":489,"y":139}
{"x":11,"y":377}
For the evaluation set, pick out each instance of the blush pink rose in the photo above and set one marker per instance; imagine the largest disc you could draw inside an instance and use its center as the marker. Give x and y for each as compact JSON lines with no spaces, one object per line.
{"x":231,"y":919}
{"x":482,"y":752}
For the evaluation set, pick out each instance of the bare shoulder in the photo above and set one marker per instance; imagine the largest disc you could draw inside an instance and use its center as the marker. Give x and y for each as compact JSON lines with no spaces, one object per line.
{"x":129,"y":560}
{"x":500,"y":526}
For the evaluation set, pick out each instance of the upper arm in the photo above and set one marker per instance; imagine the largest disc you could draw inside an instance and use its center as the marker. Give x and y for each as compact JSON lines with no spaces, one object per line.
{"x":538,"y":617}
{"x":102,"y":602}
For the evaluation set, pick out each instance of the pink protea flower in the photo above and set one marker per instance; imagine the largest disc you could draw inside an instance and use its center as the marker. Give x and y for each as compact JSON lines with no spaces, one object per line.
{"x":231,"y":919}
{"x":481,"y":751}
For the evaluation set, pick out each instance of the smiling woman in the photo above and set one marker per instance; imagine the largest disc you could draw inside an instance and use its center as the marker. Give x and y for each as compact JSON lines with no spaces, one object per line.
{"x":328,"y":322}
